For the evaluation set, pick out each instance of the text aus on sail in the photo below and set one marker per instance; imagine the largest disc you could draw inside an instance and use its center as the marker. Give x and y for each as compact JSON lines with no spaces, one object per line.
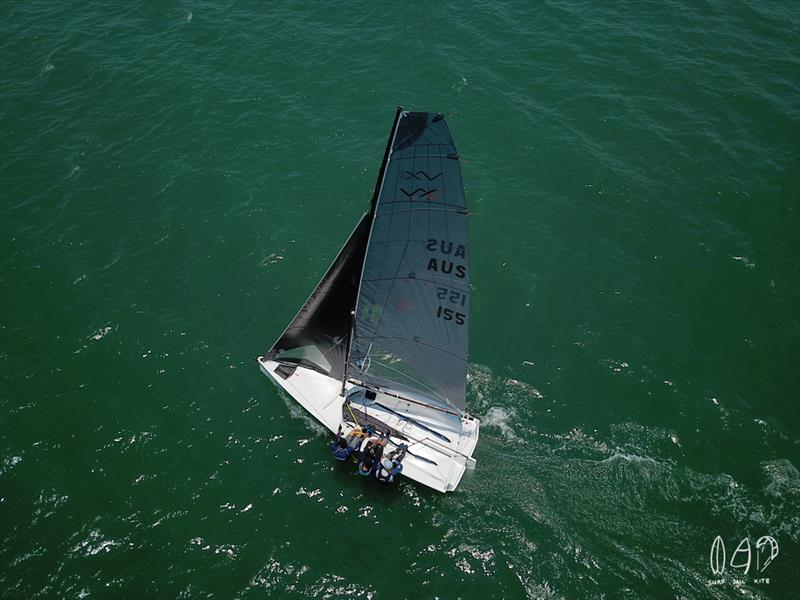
{"x":447,"y":262}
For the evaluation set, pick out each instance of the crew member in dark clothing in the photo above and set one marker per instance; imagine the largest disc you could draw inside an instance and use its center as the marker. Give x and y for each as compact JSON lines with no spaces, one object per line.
{"x":374,"y":447}
{"x":390,"y":467}
{"x":366,"y":465}
{"x":339,"y":448}
{"x":354,"y":440}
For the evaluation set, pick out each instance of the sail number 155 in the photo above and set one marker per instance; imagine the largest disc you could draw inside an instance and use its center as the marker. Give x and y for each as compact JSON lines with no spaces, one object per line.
{"x":453,"y":297}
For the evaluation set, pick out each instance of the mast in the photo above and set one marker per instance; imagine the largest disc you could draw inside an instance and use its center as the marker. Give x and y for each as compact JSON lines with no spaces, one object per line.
{"x":373,"y":204}
{"x":347,"y":349}
{"x":382,"y":172}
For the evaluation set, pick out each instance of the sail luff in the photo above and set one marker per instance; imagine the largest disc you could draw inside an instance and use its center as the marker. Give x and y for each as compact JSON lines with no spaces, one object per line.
{"x":373,"y":203}
{"x":387,"y":156}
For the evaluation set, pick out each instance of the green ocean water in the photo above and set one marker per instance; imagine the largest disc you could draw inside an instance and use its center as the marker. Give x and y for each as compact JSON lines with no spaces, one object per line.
{"x":176,"y":176}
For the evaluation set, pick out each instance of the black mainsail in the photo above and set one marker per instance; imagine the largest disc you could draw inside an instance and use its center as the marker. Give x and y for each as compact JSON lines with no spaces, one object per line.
{"x":410,"y":331}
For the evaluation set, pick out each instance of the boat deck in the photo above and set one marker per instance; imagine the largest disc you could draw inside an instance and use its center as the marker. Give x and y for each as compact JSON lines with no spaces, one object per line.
{"x":440,"y":445}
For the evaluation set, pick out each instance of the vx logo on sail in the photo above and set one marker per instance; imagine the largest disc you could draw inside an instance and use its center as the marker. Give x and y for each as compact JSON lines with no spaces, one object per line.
{"x":416,"y":175}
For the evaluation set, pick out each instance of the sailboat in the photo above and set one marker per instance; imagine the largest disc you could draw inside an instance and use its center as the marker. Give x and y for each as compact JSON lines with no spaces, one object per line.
{"x":383,"y":338}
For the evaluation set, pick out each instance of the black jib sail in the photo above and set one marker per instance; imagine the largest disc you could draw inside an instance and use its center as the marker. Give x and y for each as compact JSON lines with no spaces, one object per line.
{"x":317,"y":337}
{"x":412,"y":315}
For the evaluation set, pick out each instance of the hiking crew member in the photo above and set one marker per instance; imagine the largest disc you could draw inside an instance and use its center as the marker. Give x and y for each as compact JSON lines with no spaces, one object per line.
{"x":391,"y":466}
{"x":354,"y":440}
{"x":339,"y":447}
{"x":366,"y":465}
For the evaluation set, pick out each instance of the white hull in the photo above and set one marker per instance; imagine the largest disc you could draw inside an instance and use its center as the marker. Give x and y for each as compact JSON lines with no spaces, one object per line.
{"x":432,"y":460}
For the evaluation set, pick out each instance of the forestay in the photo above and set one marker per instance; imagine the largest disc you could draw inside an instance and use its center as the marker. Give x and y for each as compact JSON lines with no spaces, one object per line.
{"x":412,"y":314}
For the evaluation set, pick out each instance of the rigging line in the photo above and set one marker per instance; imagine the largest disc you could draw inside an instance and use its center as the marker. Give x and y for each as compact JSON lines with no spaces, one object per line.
{"x":397,"y":269}
{"x":397,"y":337}
{"x":405,"y":249}
{"x":416,"y":241}
{"x":379,"y":209}
{"x":366,"y":361}
{"x":403,"y":141}
{"x":412,"y":132}
{"x":399,"y":158}
{"x":331,"y":349}
{"x":362,"y":408}
{"x":430,"y":389}
{"x":418,"y":456}
{"x":386,"y":392}
{"x":373,"y":209}
{"x":460,"y":189}
{"x":337,"y":342}
{"x":387,"y":154}
{"x":429,"y":133}
{"x":439,"y":450}
{"x":435,"y":395}
{"x":422,"y":442}
{"x":465,"y":289}
{"x":439,"y":134}
{"x":444,"y":194}
{"x":426,"y":203}
{"x":428,"y":212}
{"x":391,"y":287}
{"x":429,"y":207}
{"x":351,"y":413}
{"x":389,"y":430}
{"x":415,"y":422}
{"x":399,"y":262}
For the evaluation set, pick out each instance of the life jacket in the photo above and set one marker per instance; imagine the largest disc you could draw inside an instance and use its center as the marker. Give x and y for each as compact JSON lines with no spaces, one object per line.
{"x":354,"y":441}
{"x":376,"y":450}
{"x":386,"y":470}
{"x":339,"y":453}
{"x":368,"y":472}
